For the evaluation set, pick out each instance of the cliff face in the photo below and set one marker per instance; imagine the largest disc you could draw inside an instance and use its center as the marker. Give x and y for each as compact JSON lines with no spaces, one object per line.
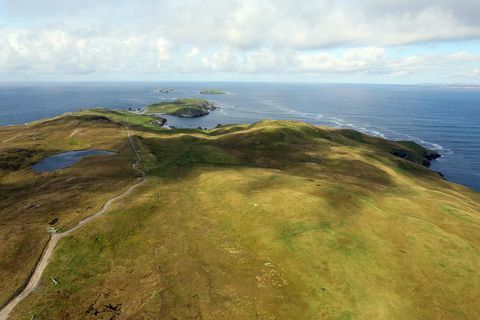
{"x":189,"y":113}
{"x":196,"y":111}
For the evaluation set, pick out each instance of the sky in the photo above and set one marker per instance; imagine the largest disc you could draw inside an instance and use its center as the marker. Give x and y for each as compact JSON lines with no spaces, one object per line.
{"x":347,"y":41}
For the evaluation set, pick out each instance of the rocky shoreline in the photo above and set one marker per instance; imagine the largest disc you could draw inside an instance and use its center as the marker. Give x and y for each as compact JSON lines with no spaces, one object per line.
{"x":426,"y":159}
{"x":430,"y":156}
{"x":201,"y":111}
{"x":182,"y":108}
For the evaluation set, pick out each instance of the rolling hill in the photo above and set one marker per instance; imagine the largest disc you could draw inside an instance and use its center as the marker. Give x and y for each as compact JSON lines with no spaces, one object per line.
{"x":275,"y":220}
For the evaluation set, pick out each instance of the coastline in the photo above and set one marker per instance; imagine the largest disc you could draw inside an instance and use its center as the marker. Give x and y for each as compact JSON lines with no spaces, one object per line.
{"x":437,"y":165}
{"x":428,"y":156}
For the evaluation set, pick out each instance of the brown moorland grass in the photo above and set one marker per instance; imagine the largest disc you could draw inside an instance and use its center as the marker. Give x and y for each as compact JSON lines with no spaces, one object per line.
{"x":30,"y":200}
{"x":277,"y":220}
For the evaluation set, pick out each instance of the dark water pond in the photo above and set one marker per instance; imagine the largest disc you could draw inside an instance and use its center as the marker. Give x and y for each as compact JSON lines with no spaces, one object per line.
{"x":66,"y":159}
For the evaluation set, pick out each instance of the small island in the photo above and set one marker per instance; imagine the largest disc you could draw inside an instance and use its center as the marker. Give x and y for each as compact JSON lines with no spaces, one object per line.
{"x":164,"y":90}
{"x":212,"y":91}
{"x":184,"y":108}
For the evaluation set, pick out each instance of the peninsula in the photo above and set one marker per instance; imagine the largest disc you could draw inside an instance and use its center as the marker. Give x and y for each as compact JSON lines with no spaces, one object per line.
{"x":185,"y":108}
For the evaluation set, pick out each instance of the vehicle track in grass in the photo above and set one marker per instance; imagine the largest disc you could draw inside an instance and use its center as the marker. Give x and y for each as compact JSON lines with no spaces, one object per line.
{"x":34,"y":278}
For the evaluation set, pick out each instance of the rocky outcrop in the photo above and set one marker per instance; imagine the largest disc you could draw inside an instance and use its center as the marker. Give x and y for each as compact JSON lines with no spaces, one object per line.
{"x":190,"y":112}
{"x":197,"y":111}
{"x":432,"y":155}
{"x":441,"y":175}
{"x":424,"y":158}
{"x":159,"y":122}
{"x":165,"y":90}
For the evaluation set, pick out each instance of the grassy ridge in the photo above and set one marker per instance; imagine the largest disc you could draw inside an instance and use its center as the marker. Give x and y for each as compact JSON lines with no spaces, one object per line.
{"x":280,"y":220}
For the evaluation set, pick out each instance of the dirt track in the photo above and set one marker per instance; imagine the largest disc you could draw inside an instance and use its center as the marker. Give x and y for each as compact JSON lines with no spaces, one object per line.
{"x":48,"y":252}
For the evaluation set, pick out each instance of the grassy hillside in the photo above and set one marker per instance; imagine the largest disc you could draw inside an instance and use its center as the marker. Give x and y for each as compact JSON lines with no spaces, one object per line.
{"x":276,"y":220}
{"x":30,"y":200}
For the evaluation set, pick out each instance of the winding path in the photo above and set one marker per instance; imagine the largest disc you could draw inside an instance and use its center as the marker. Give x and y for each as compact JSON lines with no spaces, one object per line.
{"x":48,"y":251}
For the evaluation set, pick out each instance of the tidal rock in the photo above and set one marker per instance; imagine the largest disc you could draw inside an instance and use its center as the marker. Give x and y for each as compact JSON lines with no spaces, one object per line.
{"x":159,"y":122}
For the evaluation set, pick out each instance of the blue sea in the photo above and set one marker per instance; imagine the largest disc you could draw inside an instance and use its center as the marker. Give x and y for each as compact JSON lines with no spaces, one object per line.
{"x":443,"y":118}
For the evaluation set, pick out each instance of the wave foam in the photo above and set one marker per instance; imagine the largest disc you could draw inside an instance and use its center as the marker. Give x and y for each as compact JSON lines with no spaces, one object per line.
{"x":365,"y":128}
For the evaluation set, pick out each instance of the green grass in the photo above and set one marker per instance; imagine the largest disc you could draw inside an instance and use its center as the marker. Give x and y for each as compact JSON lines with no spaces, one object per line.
{"x":31,"y":200}
{"x":140,"y":121}
{"x":457,"y":213}
{"x":275,"y":220}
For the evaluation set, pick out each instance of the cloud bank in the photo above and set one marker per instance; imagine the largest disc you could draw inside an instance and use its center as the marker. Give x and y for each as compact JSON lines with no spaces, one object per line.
{"x":374,"y":38}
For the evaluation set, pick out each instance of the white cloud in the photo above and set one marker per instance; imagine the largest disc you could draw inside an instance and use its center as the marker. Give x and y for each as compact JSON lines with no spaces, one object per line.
{"x":163,"y":50}
{"x":252,"y":23}
{"x":238,"y":36}
{"x":194,"y":52}
{"x":56,"y":51}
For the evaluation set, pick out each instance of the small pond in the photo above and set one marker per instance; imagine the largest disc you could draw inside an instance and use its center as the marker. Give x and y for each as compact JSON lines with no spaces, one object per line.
{"x":66,"y":159}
